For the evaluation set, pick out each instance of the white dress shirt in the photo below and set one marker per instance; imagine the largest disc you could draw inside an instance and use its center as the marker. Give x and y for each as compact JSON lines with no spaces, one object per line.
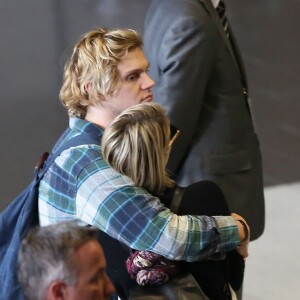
{"x":215,"y":3}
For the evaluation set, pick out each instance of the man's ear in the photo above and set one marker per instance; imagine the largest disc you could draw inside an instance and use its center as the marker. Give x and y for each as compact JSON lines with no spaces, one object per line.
{"x":57,"y":290}
{"x":87,"y":87}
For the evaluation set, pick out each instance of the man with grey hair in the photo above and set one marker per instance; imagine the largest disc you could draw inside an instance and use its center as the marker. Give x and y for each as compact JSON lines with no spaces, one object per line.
{"x":63,"y":261}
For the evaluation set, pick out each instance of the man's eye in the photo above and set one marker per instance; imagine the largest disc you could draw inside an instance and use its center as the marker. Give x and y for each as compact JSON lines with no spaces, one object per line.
{"x":97,"y":278}
{"x":132,"y":77}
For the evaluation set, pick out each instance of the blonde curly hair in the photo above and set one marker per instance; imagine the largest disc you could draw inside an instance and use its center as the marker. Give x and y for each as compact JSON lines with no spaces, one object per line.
{"x":93,"y":64}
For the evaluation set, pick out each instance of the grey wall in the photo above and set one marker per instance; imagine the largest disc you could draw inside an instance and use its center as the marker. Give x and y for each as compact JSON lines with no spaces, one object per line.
{"x":268,"y":34}
{"x":37,"y":35}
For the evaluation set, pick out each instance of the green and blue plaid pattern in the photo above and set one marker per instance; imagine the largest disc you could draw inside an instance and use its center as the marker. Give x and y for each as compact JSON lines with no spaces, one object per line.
{"x":81,"y":186}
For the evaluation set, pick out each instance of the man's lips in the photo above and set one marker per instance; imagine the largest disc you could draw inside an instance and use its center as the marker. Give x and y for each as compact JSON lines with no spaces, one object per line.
{"x":149,"y":98}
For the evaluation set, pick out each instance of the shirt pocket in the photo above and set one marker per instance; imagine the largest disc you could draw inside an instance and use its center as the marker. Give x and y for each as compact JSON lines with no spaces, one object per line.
{"x":227,"y":163}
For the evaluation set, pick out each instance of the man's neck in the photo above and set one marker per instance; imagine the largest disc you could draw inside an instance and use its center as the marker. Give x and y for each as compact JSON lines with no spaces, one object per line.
{"x":99,"y":116}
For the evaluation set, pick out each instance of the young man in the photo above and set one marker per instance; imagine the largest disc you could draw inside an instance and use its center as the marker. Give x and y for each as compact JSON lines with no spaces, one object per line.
{"x":63,"y":262}
{"x":106,"y":74}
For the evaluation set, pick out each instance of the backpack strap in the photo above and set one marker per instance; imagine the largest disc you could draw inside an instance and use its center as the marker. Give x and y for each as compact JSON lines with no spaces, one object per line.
{"x":47,"y":160}
{"x":81,"y":139}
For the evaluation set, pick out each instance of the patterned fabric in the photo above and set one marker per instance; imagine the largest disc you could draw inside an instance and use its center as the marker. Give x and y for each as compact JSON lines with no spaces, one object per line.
{"x":81,"y":186}
{"x":149,"y":268}
{"x":221,"y":9}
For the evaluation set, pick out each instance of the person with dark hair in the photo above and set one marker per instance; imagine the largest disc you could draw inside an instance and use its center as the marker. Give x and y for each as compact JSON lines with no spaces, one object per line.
{"x":201,"y":82}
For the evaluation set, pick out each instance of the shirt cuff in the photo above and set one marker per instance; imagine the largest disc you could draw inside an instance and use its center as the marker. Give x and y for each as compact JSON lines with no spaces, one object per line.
{"x":228,"y":233}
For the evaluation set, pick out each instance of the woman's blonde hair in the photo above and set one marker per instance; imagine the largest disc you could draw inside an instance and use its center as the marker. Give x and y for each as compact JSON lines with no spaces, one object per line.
{"x":91,"y":71}
{"x":136,"y":144}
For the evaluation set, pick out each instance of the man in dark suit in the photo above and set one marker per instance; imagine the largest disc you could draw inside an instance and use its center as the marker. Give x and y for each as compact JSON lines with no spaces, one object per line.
{"x":202,"y":83}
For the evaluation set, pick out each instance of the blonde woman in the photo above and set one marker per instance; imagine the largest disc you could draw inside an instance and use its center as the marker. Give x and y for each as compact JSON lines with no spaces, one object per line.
{"x":137,"y":144}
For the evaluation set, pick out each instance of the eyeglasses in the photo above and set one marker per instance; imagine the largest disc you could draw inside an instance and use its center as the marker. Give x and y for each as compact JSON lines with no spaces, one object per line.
{"x":174,"y":132}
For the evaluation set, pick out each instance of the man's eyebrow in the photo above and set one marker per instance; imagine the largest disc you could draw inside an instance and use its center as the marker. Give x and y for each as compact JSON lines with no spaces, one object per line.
{"x":137,"y":70}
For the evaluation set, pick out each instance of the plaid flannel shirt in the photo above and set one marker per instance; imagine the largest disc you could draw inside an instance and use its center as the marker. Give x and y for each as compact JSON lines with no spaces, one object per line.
{"x":81,"y":186}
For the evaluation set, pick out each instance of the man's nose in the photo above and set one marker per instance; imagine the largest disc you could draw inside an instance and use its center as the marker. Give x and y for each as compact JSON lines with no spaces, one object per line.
{"x":109,"y":287}
{"x":148,"y":82}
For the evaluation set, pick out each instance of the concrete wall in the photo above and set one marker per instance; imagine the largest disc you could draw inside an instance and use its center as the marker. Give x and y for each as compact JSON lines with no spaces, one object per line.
{"x":36,"y":36}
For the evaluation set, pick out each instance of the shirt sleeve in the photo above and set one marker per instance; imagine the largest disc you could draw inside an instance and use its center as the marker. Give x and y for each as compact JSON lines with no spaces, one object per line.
{"x":130,"y":214}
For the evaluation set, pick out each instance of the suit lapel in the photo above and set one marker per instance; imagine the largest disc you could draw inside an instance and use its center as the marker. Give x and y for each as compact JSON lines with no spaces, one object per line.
{"x":238,"y":57}
{"x":233,"y":50}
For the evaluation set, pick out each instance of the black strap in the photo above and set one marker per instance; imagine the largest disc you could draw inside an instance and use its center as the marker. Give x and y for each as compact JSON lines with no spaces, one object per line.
{"x":82,"y":139}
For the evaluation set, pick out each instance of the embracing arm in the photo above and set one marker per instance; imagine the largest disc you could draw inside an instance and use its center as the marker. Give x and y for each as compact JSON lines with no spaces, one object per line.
{"x":140,"y":220}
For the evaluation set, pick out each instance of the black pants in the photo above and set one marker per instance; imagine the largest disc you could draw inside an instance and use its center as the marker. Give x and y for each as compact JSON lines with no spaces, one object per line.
{"x":202,"y":198}
{"x":206,"y":198}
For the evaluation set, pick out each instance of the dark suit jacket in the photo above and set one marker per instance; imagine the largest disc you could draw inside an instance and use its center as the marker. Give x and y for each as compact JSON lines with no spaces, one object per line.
{"x":200,"y":80}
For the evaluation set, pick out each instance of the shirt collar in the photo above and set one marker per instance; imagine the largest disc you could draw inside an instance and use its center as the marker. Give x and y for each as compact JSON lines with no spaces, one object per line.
{"x":215,"y":3}
{"x":82,"y":126}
